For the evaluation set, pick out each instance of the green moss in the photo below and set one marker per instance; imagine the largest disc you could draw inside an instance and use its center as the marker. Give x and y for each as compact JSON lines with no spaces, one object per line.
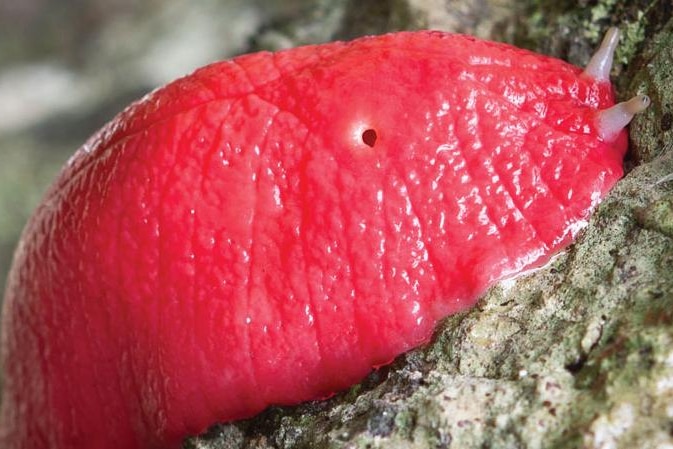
{"x":633,"y":35}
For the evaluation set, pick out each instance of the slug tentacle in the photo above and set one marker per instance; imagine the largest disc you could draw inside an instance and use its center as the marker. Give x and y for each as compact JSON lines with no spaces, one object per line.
{"x":600,"y":64}
{"x":612,"y":120}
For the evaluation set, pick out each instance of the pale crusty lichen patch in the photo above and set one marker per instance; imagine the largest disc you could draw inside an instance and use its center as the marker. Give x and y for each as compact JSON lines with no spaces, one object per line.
{"x":639,"y":412}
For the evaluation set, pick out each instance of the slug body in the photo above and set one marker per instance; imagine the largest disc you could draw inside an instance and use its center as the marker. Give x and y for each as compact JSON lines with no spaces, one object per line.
{"x":268,"y":229}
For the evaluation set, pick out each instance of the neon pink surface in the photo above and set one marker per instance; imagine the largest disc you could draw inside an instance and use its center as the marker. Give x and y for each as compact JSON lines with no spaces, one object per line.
{"x":230,"y":241}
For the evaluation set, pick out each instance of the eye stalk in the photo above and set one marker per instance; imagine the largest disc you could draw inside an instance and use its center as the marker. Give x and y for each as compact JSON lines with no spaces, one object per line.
{"x":600,"y":64}
{"x":612,"y":120}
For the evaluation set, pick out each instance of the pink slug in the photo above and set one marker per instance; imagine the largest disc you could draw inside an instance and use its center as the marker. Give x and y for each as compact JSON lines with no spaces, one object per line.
{"x":269,"y":228}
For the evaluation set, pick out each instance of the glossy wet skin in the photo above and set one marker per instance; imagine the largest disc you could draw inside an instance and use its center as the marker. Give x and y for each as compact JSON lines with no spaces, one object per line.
{"x":232,"y":241}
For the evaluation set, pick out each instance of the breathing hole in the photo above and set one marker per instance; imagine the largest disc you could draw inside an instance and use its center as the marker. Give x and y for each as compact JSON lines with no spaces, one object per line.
{"x":369,"y":137}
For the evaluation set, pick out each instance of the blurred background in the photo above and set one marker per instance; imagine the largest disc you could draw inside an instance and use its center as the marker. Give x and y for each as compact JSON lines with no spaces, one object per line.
{"x":68,"y":66}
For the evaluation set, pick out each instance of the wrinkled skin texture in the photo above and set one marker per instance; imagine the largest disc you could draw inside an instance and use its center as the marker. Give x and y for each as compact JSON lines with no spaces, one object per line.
{"x":230,"y":241}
